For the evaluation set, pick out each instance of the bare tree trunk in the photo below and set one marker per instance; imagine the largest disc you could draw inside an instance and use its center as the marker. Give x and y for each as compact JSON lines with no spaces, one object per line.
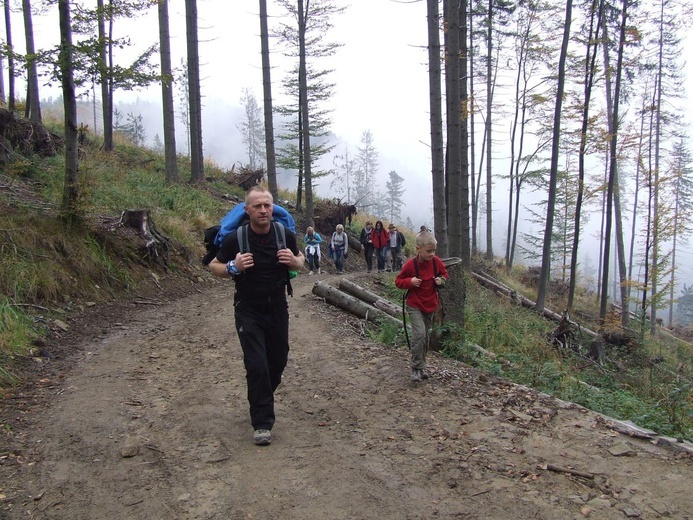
{"x":3,"y":96}
{"x":655,"y":220}
{"x":33,"y":100}
{"x":303,"y":100}
{"x":106,"y":106}
{"x":472,"y":133}
{"x":454,"y":156}
{"x":636,"y":194}
{"x":435,"y":98}
{"x":550,"y":207}
{"x":267,"y":93}
{"x":465,"y":250}
{"x":70,"y":208}
{"x":620,"y":249}
{"x":590,"y":67}
{"x":613,"y":178}
{"x":10,"y":58}
{"x":167,"y":95}
{"x":194,"y":95}
{"x":489,"y":103}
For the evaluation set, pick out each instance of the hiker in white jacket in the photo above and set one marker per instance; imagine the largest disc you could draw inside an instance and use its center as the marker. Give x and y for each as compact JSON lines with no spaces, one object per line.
{"x":339,"y":246}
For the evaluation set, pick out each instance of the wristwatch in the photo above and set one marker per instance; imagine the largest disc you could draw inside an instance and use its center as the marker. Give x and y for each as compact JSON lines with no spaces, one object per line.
{"x":231,"y":268}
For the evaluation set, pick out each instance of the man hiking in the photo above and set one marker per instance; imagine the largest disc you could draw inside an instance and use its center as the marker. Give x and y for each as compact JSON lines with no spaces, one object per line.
{"x":261,"y":311}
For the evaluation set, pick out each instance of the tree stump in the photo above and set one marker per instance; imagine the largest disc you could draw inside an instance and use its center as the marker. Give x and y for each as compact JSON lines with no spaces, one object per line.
{"x":155,"y":248}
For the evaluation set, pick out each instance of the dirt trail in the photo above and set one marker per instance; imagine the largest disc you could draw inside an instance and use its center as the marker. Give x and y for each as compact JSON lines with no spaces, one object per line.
{"x":151,"y":421}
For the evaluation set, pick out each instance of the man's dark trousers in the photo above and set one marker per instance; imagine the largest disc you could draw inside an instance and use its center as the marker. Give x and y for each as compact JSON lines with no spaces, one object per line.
{"x":263,"y":330}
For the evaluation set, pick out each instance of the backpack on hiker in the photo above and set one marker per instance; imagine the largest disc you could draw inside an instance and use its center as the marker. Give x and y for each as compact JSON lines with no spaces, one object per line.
{"x":214,"y":236}
{"x":237,"y":221}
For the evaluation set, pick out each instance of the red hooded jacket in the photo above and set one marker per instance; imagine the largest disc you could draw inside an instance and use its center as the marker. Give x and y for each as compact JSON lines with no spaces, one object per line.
{"x":424,"y":297}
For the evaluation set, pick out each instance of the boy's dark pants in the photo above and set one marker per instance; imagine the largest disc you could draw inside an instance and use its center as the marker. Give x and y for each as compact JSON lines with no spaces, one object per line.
{"x":263,"y":330}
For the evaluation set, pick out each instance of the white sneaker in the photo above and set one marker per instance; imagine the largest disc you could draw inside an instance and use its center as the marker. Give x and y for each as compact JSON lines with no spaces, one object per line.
{"x":319,"y":271}
{"x":310,"y":273}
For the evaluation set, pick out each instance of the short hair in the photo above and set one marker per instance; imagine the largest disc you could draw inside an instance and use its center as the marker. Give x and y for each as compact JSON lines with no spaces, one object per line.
{"x":369,"y":223}
{"x":258,"y":189}
{"x":426,"y":238}
{"x":309,"y":230}
{"x":340,"y":228}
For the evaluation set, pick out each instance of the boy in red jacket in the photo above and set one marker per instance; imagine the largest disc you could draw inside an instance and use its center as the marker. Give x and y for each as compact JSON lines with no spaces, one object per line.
{"x":421,"y":276}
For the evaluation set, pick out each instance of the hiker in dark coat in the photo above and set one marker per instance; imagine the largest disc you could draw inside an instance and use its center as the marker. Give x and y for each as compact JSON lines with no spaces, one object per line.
{"x":367,"y":244}
{"x":393,"y":261}
{"x":421,"y":276}
{"x":260,"y":307}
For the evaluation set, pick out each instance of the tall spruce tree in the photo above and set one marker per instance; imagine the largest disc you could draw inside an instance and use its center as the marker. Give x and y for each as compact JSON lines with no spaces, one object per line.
{"x":308,"y":87}
{"x":394,"y":189}
{"x":365,"y":173}
{"x":251,"y":128}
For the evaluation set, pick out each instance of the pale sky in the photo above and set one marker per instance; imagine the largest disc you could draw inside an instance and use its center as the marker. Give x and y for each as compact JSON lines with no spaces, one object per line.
{"x":380,"y":75}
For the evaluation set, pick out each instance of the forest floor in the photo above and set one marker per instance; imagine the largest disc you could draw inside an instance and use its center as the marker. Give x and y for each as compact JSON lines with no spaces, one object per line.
{"x":138,"y":411}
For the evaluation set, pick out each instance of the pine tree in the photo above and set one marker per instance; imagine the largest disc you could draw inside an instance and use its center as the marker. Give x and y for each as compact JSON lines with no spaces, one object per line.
{"x":393,"y":196}
{"x":307,"y":86}
{"x":184,"y":105}
{"x":345,"y":169}
{"x":251,"y":128}
{"x":366,"y":170}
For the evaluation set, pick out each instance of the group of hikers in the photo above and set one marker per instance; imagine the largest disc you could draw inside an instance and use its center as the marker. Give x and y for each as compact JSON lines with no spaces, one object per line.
{"x":386,"y":244}
{"x":261,"y":264}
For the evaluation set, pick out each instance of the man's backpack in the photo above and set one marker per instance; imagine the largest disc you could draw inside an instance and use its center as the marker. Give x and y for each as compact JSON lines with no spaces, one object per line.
{"x":214,"y":236}
{"x":280,"y":235}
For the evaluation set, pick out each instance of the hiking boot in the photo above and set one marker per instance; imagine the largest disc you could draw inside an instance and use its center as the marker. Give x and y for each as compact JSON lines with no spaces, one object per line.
{"x":415,"y":374}
{"x":262,"y":437}
{"x":423,"y":374}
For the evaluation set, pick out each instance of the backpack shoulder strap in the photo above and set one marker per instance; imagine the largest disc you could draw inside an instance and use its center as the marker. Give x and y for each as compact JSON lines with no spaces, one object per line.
{"x":280,"y":234}
{"x":242,"y":235}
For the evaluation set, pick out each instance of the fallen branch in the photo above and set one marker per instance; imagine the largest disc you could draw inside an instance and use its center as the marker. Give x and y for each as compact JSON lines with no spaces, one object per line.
{"x":574,"y":472}
{"x":29,"y":305}
{"x":526,"y":302}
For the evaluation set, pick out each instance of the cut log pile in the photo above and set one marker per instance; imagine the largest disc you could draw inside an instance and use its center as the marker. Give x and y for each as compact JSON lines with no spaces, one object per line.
{"x":353,"y":304}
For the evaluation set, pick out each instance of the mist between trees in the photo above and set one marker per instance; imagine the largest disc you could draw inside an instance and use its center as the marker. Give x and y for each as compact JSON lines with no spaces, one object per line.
{"x":559,"y":140}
